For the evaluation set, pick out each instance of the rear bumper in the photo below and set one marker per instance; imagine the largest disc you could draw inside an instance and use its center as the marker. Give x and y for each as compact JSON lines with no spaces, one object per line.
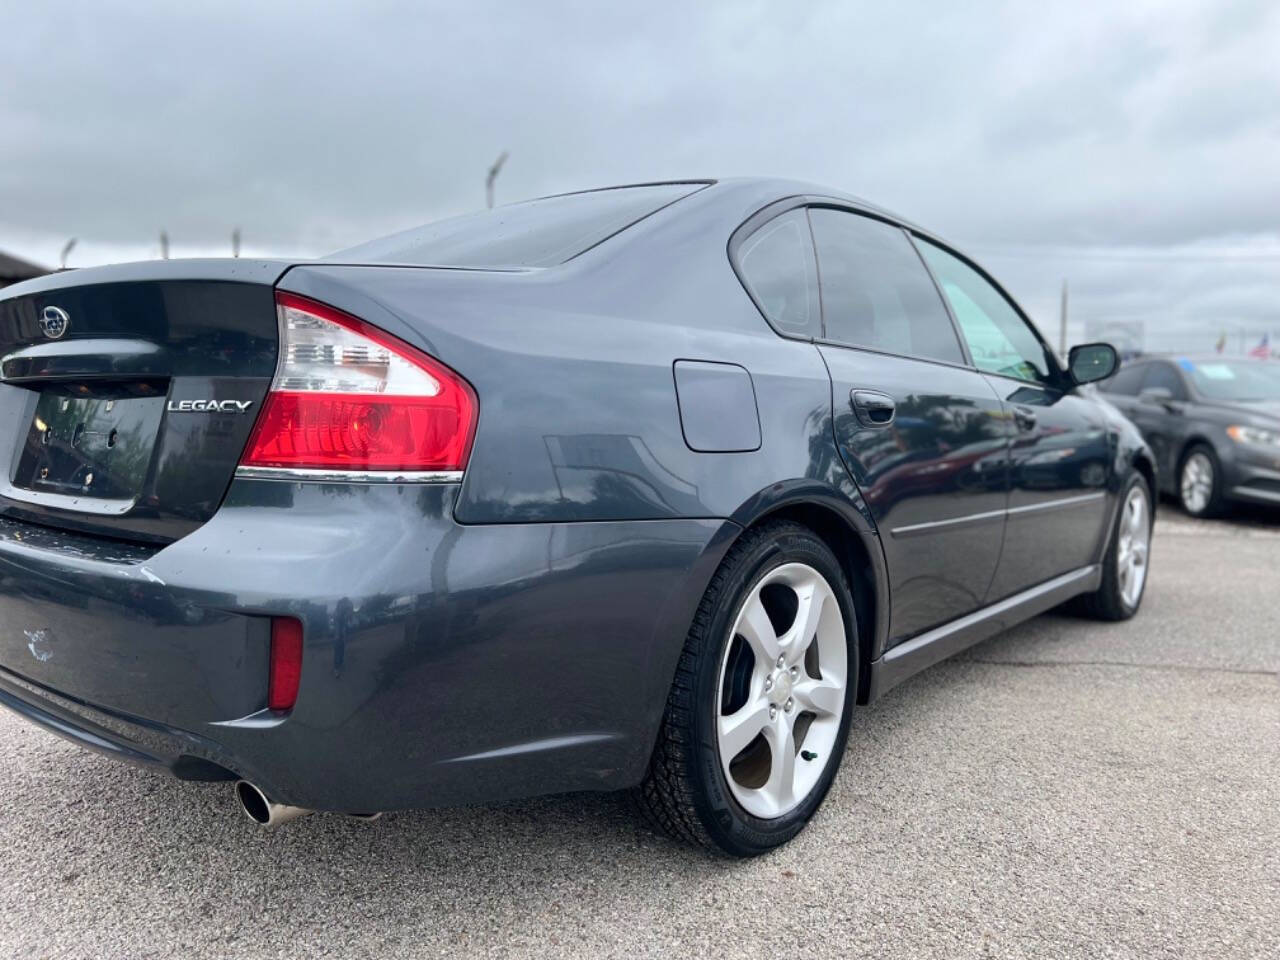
{"x":142,"y":744}
{"x":443,"y":663}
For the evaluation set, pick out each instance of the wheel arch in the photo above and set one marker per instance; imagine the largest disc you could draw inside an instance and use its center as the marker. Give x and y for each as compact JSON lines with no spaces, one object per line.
{"x":850,"y":534}
{"x":1195,"y":440}
{"x":1145,"y":465}
{"x":1135,"y":456}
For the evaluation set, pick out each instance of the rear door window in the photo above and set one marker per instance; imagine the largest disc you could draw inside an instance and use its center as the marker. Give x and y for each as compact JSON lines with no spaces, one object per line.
{"x":876,"y":292}
{"x":777,"y":266}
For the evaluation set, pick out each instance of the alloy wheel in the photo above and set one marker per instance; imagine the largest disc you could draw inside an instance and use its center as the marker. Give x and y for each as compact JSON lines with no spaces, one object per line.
{"x":1197,"y":482}
{"x":1134,"y":546}
{"x":782,"y":690}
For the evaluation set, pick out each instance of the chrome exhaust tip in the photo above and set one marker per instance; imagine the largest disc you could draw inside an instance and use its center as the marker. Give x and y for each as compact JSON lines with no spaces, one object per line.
{"x":262,"y":811}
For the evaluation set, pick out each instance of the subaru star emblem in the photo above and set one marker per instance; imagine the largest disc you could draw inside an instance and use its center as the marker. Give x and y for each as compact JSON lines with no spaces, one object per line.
{"x":54,"y":322}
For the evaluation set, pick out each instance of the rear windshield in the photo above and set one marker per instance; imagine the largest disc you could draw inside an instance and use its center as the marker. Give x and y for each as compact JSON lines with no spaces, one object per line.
{"x":537,"y":233}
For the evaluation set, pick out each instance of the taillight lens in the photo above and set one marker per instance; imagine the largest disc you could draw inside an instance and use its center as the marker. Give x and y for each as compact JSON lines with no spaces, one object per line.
{"x":350,"y":397}
{"x":286,"y":663}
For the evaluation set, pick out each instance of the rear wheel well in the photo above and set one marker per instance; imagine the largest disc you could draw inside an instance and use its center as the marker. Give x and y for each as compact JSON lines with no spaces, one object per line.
{"x":855,"y":560}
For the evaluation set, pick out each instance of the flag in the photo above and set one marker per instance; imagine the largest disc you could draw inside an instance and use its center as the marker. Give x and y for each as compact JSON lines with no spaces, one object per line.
{"x":1222,"y":342}
{"x":1263,"y":350}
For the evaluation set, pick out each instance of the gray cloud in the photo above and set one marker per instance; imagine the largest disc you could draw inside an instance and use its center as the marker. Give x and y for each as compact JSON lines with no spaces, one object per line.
{"x":1062,"y":137}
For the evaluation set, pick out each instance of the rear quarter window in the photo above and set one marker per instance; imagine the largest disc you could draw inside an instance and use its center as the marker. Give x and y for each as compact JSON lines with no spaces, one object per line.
{"x":778,"y":267}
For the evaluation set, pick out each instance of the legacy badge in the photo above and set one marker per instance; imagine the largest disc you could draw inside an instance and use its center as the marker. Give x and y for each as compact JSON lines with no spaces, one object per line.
{"x":209,"y":406}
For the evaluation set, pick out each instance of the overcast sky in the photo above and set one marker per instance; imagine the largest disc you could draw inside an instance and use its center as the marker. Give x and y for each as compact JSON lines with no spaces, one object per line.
{"x":1132,"y":148}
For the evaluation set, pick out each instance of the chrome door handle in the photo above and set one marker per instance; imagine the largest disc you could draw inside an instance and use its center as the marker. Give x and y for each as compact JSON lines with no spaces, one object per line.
{"x":1024,"y":418}
{"x":873,"y":409}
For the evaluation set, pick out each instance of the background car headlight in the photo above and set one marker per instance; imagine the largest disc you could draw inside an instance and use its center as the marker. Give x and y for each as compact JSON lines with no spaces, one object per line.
{"x":1254,"y":435}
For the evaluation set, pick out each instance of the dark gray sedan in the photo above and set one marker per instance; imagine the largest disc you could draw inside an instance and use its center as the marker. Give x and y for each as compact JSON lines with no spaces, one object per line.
{"x":633,"y":488}
{"x":1213,"y":424}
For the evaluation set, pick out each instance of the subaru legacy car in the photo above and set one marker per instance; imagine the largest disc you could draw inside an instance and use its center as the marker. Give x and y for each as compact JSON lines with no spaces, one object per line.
{"x":1213,"y":424}
{"x":644,"y":487}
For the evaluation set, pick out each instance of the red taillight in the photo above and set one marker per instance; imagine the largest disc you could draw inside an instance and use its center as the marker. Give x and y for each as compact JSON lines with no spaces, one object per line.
{"x":350,"y":397}
{"x":286,"y":663}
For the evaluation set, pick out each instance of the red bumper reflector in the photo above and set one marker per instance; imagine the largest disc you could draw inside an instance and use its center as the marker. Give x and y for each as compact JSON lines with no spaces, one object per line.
{"x":286,"y":663}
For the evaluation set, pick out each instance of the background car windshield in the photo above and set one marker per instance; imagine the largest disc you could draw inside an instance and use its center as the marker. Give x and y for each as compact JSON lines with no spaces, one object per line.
{"x":537,"y":233}
{"x":1236,"y":380}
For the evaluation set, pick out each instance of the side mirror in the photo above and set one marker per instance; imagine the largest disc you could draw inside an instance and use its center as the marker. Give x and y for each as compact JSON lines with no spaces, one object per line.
{"x":1091,"y":362}
{"x":1157,"y":396}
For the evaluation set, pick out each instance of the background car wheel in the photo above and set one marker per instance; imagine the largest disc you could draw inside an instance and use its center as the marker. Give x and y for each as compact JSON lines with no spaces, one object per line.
{"x":758,"y":713}
{"x":1199,"y":482}
{"x":1124,"y":568}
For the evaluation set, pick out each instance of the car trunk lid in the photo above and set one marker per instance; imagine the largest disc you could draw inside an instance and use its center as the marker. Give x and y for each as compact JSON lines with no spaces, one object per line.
{"x":127,"y":393}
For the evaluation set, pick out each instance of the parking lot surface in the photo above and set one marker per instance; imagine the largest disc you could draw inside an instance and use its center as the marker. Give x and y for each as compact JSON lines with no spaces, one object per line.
{"x":1068,"y":789}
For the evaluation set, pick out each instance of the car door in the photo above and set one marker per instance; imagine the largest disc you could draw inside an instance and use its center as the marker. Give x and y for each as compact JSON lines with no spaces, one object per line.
{"x":1060,"y":463}
{"x":922,"y":433}
{"x":1161,"y":415}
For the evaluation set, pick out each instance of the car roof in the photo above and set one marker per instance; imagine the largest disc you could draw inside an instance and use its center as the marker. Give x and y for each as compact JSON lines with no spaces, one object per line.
{"x":763,"y":190}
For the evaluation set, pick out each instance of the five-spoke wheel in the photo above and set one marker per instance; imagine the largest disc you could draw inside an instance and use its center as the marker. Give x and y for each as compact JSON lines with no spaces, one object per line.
{"x":782,"y":689}
{"x":1133,"y":545}
{"x":758,"y":713}
{"x":1198,"y":482}
{"x":1128,"y":556}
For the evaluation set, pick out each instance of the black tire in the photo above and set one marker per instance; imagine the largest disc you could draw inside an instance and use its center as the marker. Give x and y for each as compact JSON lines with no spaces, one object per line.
{"x":1107,"y":602}
{"x":685,"y":792}
{"x":1215,"y":504}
